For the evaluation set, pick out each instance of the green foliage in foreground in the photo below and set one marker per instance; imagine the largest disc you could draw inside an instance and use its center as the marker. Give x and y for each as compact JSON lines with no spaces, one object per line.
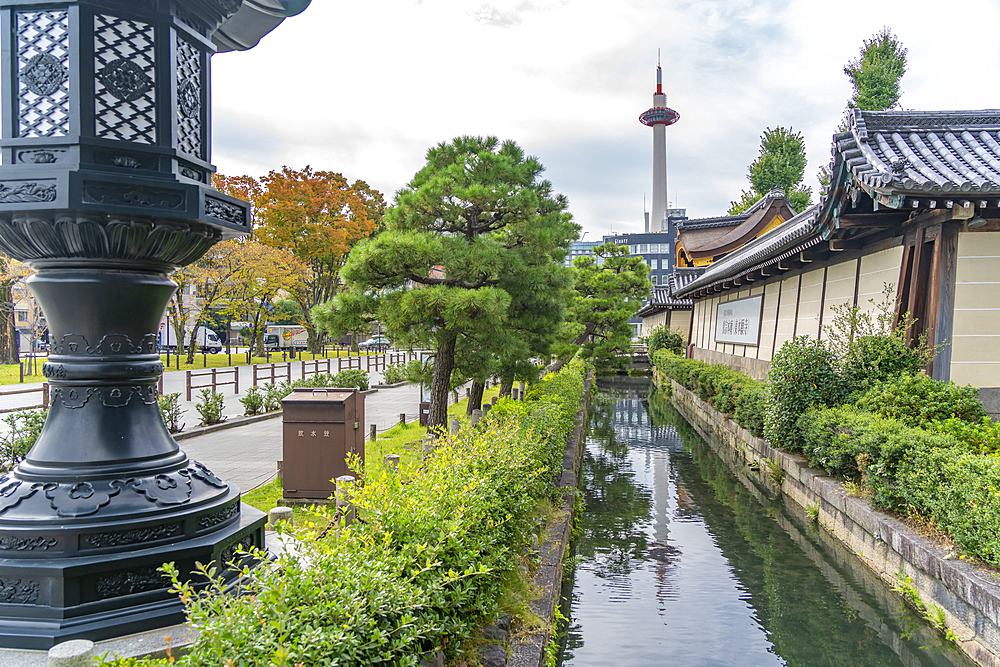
{"x":440,"y":543}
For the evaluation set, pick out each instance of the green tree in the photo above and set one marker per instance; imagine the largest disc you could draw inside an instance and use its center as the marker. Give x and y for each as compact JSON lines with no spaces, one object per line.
{"x":607,"y":294}
{"x":876,"y":72}
{"x":438,"y":276}
{"x":781,"y":163}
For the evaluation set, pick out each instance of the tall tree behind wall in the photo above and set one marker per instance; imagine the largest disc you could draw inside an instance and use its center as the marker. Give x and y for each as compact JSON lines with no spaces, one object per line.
{"x":11,"y":273}
{"x":781,"y":163}
{"x":875,"y":75}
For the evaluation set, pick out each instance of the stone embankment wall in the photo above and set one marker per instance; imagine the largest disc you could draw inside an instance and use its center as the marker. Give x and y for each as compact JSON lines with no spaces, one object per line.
{"x":528,"y":650}
{"x":968,"y":594}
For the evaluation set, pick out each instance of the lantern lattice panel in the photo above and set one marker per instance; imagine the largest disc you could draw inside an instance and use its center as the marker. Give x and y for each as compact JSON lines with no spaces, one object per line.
{"x":125,"y":79}
{"x":189,"y":98}
{"x":43,"y":73}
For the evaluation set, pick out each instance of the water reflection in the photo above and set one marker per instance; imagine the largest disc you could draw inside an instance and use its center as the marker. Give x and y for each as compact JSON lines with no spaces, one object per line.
{"x":682,"y":564}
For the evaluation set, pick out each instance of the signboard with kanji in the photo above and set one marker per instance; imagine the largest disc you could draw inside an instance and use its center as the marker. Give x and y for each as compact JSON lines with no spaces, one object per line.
{"x":738,"y":322}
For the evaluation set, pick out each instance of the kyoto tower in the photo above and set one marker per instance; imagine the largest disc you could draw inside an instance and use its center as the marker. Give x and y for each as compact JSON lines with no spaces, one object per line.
{"x":658,"y":117}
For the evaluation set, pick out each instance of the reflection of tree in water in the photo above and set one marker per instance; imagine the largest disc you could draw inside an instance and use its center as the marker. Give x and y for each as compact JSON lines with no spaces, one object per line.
{"x":611,"y":527}
{"x":804,"y":617}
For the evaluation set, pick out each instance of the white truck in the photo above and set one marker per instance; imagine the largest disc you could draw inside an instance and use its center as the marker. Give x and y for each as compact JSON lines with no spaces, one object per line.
{"x":205,"y":339}
{"x":278,"y":337}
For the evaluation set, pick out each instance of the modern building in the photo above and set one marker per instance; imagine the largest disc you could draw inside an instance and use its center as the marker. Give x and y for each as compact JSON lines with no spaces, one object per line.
{"x":656,"y":248}
{"x":582,"y":249}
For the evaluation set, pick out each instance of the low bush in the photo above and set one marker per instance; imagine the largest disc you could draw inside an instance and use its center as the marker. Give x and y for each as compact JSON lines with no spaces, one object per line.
{"x":209,"y":407}
{"x":982,"y":437}
{"x":171,"y":412}
{"x":253,"y":402}
{"x":394,"y":373}
{"x":854,"y":444}
{"x":918,"y":400}
{"x":352,"y":377}
{"x":957,"y":490}
{"x":21,"y":430}
{"x":803,"y":375}
{"x":727,"y":390}
{"x":662,"y":338}
{"x":440,"y":542}
{"x":750,"y":405}
{"x":873,"y":360}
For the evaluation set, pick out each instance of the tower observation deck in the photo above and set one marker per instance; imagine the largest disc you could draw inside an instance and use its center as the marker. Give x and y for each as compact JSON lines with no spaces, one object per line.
{"x":659,"y":117}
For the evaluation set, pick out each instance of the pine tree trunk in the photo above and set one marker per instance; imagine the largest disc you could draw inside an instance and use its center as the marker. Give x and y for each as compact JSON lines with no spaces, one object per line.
{"x":506,"y":385}
{"x":444,"y":362}
{"x":475,"y":397}
{"x":580,"y":340}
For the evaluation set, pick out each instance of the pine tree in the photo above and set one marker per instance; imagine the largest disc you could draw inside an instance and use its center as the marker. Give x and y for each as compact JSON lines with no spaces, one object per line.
{"x":474,"y":220}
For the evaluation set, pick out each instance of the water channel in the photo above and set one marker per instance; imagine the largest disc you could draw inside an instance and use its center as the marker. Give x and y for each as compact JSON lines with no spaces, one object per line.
{"x":681,"y":562}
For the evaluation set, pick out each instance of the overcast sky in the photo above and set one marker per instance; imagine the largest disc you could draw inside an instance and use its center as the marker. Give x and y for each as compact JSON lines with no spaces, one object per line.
{"x":365,"y":88}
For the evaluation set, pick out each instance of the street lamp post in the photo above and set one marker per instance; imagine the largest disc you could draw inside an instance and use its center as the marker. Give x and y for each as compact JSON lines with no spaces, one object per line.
{"x":104,"y":192}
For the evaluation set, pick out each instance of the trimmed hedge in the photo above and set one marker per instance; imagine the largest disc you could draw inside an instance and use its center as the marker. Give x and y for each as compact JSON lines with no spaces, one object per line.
{"x":727,"y":390}
{"x":939,"y":462}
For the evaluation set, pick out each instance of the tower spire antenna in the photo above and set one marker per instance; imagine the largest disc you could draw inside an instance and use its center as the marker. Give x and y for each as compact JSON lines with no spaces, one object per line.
{"x":658,"y":117}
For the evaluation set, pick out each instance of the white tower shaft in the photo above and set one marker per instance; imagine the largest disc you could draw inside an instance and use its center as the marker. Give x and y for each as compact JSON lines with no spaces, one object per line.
{"x":658,"y":212}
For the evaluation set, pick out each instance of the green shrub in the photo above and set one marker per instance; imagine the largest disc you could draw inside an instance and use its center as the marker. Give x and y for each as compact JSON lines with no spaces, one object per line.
{"x":960,"y":492}
{"x":171,"y":412}
{"x":273,"y":393}
{"x":22,"y":429}
{"x":861,"y":446}
{"x":918,"y":400}
{"x":394,"y":373}
{"x":750,"y":405}
{"x":873,"y":360}
{"x":981,"y":437}
{"x":209,"y":407}
{"x":662,"y":338}
{"x":253,"y":402}
{"x":352,"y":377}
{"x":803,"y":375}
{"x":442,"y":539}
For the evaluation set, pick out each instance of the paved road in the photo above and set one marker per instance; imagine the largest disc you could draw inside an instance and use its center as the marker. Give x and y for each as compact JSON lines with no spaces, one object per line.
{"x":247,"y":455}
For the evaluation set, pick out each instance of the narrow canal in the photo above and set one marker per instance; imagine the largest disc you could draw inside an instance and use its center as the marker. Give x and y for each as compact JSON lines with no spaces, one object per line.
{"x":679,"y":562}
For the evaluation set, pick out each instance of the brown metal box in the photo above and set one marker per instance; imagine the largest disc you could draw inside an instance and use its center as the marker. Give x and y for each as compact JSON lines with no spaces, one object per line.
{"x":320,"y":427}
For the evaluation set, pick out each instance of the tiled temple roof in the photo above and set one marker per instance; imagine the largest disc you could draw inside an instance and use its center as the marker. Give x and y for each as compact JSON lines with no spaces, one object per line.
{"x":902,"y":161}
{"x":923,"y":151}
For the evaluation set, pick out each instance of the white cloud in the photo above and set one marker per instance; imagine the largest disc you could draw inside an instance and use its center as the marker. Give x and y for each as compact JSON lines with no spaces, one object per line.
{"x":366,"y":88}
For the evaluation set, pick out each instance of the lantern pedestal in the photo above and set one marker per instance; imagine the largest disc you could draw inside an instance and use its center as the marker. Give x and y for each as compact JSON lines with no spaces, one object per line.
{"x":104,"y":192}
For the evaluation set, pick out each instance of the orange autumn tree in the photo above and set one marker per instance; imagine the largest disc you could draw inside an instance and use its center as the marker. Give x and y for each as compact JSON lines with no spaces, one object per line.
{"x":317,"y":216}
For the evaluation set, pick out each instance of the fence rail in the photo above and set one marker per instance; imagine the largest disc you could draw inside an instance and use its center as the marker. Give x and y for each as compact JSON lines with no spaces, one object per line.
{"x":43,"y":390}
{"x":215,"y":374}
{"x":313,"y":367}
{"x":275,"y":372}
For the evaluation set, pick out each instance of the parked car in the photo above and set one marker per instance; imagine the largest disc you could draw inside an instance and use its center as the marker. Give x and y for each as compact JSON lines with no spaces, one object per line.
{"x":375,"y":344}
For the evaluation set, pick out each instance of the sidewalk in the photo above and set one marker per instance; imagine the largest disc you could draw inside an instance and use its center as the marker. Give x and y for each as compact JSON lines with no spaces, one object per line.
{"x":247,"y":455}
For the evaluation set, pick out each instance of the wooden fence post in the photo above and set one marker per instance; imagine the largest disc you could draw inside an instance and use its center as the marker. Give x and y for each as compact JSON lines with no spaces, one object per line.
{"x":213,"y":381}
{"x":45,"y":394}
{"x":187,"y":375}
